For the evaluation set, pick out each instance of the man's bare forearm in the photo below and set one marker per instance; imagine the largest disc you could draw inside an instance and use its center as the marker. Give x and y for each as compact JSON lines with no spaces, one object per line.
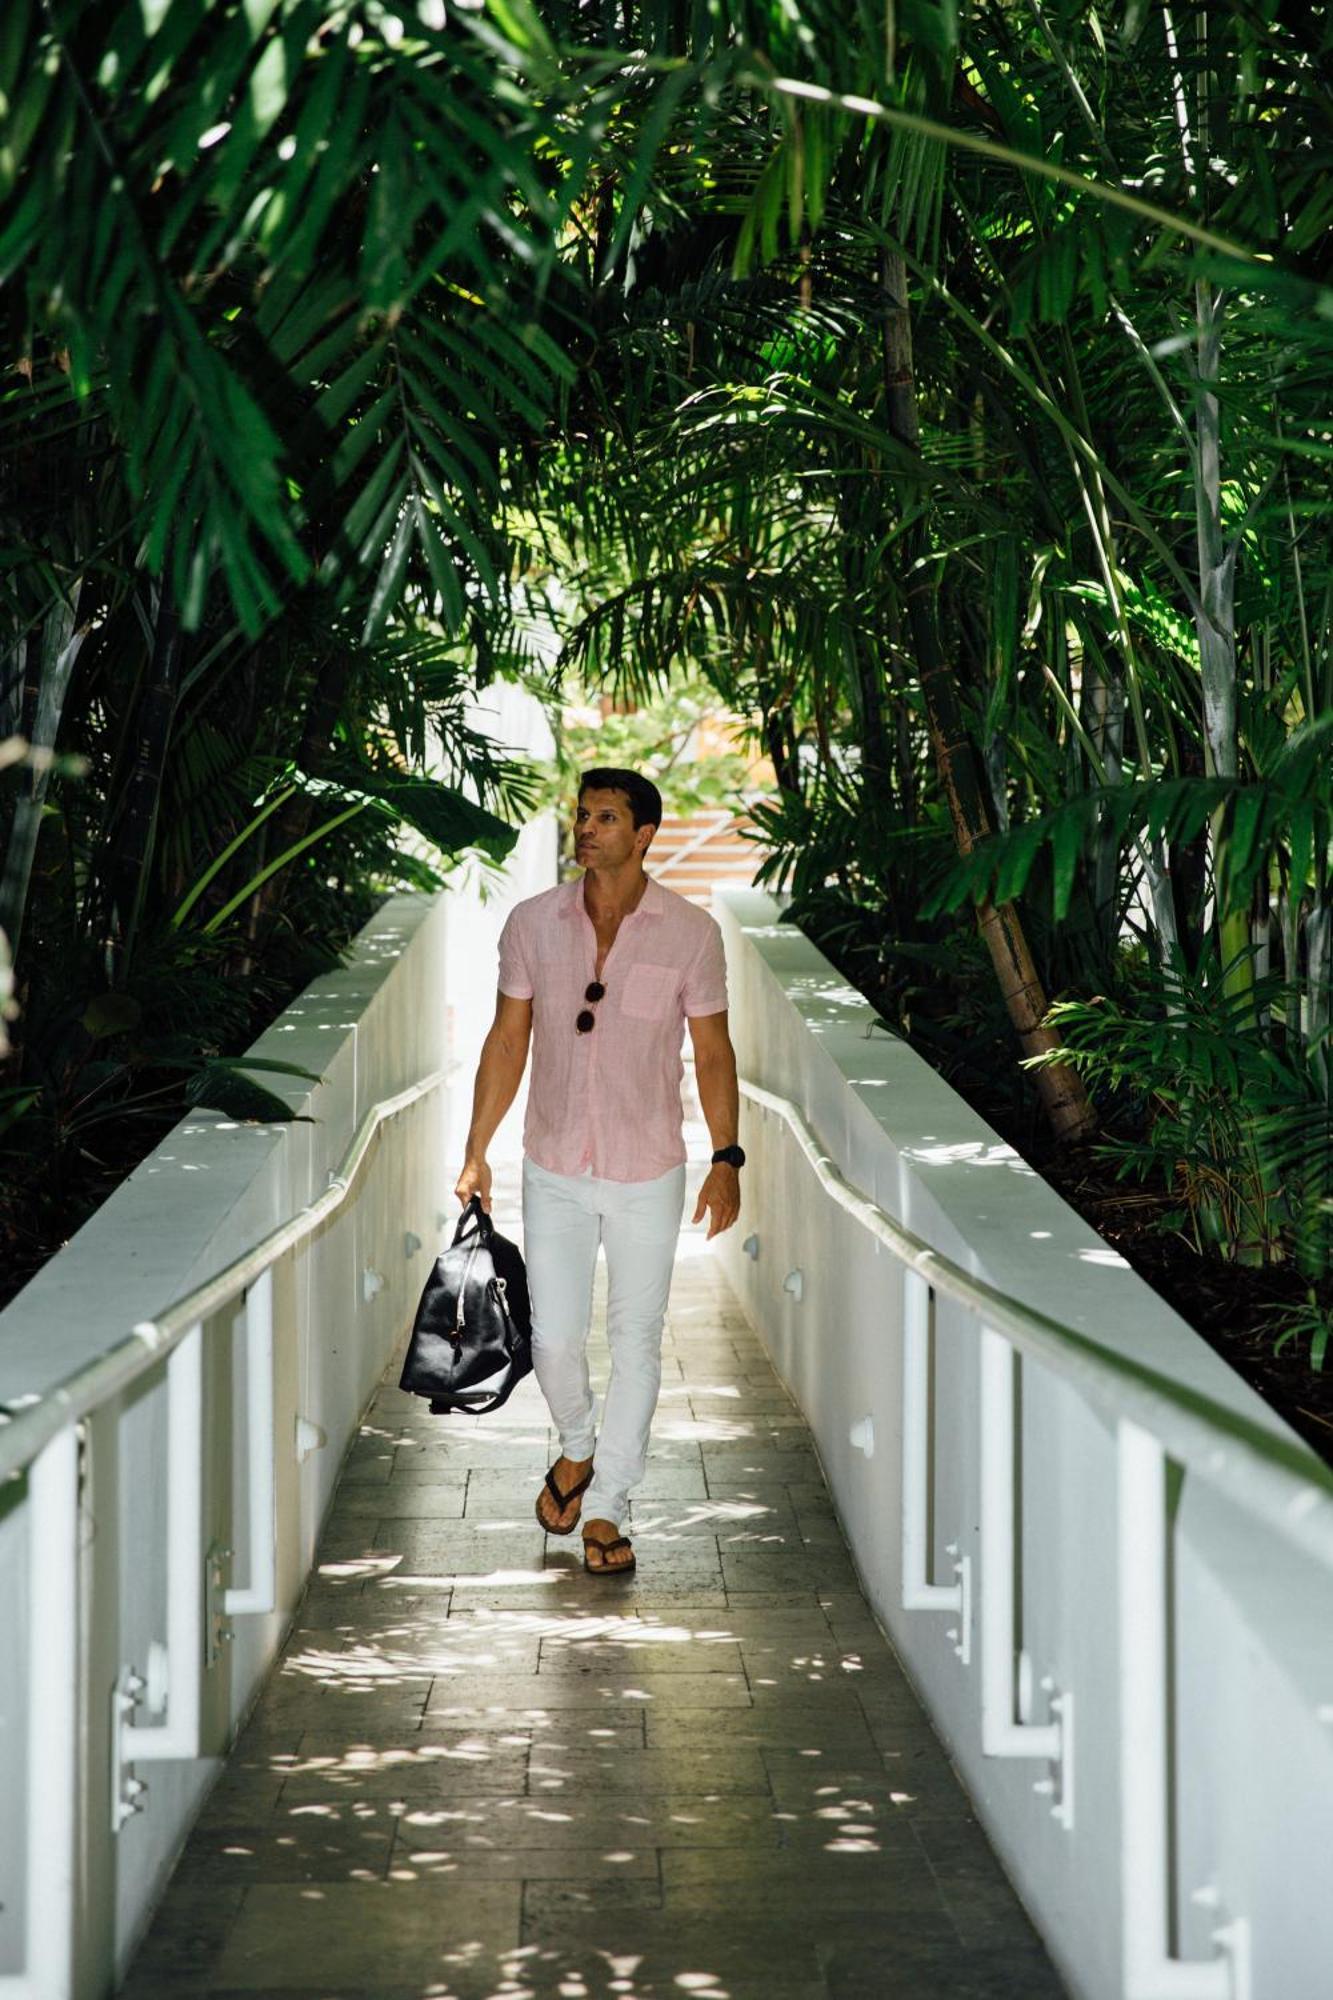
{"x":719,"y":1097}
{"x":499,"y":1074}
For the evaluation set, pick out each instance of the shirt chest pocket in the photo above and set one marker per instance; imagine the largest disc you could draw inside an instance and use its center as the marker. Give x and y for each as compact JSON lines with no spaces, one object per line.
{"x":650,"y":992}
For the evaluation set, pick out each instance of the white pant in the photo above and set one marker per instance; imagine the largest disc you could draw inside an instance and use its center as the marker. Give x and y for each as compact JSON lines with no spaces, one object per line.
{"x":565,"y":1216}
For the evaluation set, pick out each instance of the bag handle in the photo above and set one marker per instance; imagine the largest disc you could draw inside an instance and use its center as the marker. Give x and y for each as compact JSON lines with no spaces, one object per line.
{"x":478,"y":1402}
{"x":473,"y":1221}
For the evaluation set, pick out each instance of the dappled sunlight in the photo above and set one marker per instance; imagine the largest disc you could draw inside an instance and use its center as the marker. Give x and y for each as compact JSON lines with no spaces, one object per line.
{"x":660,"y":1517}
{"x":706,"y":1430}
{"x":354,"y":1765}
{"x":347,"y":1673}
{"x":804,"y":987}
{"x":391,"y":1582}
{"x":356,"y":1570}
{"x":545,"y":1625}
{"x":635,"y":1782}
{"x":969,"y":1153}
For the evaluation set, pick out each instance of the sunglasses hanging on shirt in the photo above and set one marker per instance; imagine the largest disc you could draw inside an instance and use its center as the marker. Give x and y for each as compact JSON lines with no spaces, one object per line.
{"x":585,"y":1020}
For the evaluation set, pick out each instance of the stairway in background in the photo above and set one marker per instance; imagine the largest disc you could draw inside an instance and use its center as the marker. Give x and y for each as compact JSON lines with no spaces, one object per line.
{"x":694,"y":854}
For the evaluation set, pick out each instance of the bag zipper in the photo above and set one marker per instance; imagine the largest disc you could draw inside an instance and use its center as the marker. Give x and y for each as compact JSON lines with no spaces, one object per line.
{"x":462,"y":1292}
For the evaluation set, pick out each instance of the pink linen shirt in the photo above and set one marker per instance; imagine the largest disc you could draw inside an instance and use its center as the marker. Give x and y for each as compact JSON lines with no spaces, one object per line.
{"x":609,"y":1101}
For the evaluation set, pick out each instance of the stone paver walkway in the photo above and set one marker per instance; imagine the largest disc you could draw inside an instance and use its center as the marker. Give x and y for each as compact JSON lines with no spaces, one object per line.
{"x":478,"y":1772}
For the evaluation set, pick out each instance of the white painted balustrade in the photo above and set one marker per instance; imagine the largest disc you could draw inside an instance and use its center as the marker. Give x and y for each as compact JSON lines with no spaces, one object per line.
{"x":1106,"y":1564}
{"x":133,"y":1465}
{"x":177,"y":1389}
{"x":162,"y":1488}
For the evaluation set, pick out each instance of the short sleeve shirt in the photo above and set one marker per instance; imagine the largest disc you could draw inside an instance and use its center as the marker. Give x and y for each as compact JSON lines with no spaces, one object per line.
{"x":608,"y":1101}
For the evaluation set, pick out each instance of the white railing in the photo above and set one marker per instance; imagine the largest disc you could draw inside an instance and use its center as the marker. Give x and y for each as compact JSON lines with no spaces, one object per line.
{"x":1154,"y":1419}
{"x":1104,"y":1561}
{"x":42,"y":1444}
{"x":24,"y":1432}
{"x":1288,"y":1489}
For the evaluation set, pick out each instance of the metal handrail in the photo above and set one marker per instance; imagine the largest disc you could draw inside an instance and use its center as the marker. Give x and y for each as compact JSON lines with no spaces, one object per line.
{"x":26,"y":1429}
{"x":1285,"y":1484}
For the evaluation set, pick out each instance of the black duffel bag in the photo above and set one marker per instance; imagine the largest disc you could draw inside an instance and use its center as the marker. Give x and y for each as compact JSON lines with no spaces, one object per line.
{"x":471,"y":1340}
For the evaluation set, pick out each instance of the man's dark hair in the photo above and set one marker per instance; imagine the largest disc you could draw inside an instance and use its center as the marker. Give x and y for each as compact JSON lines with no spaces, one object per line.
{"x":645,"y":801}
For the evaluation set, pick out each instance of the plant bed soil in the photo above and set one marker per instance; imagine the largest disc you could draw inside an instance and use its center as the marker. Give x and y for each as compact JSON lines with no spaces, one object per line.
{"x":49,"y":1188}
{"x":1232,"y":1306}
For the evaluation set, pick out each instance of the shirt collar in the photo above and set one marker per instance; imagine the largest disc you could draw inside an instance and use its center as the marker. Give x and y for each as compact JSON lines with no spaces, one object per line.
{"x":652,"y":903}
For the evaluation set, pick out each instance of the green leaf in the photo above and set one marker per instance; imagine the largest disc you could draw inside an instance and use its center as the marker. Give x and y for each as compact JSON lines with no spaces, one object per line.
{"x":440,"y":563}
{"x":222,"y":1087}
{"x":112,"y":1014}
{"x":522,"y":26}
{"x":446,"y":817}
{"x":1067,"y":836}
{"x":15,"y":1103}
{"x":652,"y":131}
{"x":389,"y":583}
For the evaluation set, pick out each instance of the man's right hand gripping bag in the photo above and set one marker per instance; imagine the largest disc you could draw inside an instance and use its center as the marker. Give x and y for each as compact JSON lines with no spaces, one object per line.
{"x":471,"y":1340}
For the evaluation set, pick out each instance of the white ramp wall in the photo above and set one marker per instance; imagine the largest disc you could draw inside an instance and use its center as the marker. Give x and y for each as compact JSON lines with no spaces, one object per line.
{"x":209,"y":1192}
{"x":177,"y":1461}
{"x":1132,"y":1671}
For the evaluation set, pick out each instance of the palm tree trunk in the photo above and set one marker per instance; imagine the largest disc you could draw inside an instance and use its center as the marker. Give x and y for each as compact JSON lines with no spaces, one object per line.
{"x":1060,"y":1088}
{"x":1318,"y":987}
{"x":1103,"y":702}
{"x":864,"y":676}
{"x":136,"y":831}
{"x":904,"y":750}
{"x":61,"y":643}
{"x":11,"y":687}
{"x":1215,"y":620}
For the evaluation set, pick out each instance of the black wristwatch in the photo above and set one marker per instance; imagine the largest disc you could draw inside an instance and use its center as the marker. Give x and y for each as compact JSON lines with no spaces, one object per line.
{"x":728,"y":1156}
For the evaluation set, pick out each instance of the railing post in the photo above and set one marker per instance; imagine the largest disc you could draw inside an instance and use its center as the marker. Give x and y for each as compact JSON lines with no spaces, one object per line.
{"x":174,"y":1674}
{"x":918,"y":1594}
{"x":259,"y":1593}
{"x":1154,"y":1415}
{"x":53,"y":1733}
{"x":1002,"y":1734}
{"x":1151,"y":1971}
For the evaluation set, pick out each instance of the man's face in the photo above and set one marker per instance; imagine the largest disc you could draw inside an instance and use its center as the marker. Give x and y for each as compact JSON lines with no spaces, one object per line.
{"x":604,"y":835}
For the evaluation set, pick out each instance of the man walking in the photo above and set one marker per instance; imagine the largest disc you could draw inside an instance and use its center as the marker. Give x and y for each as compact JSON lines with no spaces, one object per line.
{"x":601,"y":974}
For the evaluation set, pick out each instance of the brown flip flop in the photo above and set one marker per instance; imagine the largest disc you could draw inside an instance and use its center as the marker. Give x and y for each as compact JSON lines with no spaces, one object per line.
{"x":605,"y":1568}
{"x":562,"y":1501}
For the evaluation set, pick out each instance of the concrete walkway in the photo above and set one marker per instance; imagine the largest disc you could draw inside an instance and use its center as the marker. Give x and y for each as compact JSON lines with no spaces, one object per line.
{"x":479,"y":1772}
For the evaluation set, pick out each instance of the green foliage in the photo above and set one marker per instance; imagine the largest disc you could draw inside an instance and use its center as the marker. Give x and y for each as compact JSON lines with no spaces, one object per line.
{"x":1287,"y":812}
{"x":1230,"y":1119}
{"x":363,"y":356}
{"x":1100,"y":238}
{"x":1309,"y":1324}
{"x":654,"y":739}
{"x":296,"y":260}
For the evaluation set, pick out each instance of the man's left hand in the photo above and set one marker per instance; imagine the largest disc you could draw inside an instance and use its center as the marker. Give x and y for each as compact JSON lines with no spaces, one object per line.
{"x":721,"y":1196}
